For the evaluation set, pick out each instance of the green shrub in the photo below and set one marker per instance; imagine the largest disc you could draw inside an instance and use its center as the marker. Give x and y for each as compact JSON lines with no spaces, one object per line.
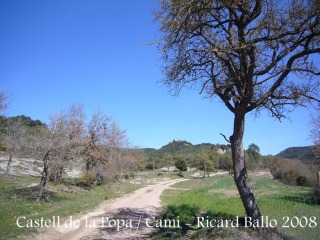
{"x":315,"y":193}
{"x":181,"y":164}
{"x":149,"y":166}
{"x":126,"y":176}
{"x":302,"y":181}
{"x":87,"y":178}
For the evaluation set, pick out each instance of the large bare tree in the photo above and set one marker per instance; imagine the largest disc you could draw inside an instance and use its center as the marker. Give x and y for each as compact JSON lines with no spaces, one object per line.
{"x":105,"y":144}
{"x":96,"y":135}
{"x":70,"y":124}
{"x":252,"y":54}
{"x":63,"y":142}
{"x":16,"y":139}
{"x":315,"y":135}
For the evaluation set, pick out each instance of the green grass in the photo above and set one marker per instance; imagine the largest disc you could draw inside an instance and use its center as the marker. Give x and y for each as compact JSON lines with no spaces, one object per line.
{"x":60,"y":200}
{"x":218,"y":199}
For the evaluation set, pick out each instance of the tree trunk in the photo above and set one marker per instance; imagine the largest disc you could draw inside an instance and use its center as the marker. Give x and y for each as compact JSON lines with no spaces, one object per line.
{"x":9,"y":163}
{"x":44,"y":176}
{"x":239,"y":168}
{"x":87,"y":165}
{"x":318,"y":178}
{"x":58,"y":174}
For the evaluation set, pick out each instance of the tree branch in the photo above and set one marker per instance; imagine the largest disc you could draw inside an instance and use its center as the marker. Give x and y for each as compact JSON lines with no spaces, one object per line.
{"x":225,"y":138}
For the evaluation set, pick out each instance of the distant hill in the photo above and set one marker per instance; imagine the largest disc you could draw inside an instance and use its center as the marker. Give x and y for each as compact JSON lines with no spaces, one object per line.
{"x":27,"y":121}
{"x":183,"y":147}
{"x":304,"y":154}
{"x":22,"y":120}
{"x":158,"y":157}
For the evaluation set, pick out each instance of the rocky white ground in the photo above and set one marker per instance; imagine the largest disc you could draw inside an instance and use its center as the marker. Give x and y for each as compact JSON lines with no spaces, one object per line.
{"x":31,"y":167}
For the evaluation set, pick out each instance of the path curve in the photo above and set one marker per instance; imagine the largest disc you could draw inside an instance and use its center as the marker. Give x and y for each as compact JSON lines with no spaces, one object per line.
{"x":122,"y":218}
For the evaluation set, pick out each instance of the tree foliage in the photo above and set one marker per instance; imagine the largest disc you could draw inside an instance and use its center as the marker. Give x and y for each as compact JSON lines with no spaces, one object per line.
{"x":181,"y":164}
{"x":253,"y":148}
{"x":26,"y":121}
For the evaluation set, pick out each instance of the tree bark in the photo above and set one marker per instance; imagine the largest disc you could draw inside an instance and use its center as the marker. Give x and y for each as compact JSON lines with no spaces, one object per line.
{"x":239,"y":168}
{"x":89,"y":163}
{"x":9,"y":163}
{"x":318,"y":178}
{"x":58,"y":174}
{"x":44,"y":176}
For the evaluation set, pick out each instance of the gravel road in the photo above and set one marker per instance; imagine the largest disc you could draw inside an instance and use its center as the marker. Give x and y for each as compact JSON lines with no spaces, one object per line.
{"x":129,"y":217}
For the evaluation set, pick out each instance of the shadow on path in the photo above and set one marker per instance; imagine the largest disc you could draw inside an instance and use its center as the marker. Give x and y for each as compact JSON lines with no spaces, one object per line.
{"x":129,"y":223}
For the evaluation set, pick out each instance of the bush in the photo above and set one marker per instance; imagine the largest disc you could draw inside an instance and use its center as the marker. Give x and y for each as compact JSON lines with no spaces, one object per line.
{"x":225,"y":162}
{"x":127,"y":176}
{"x":292,"y":172}
{"x":277,"y":174}
{"x":149,"y":166}
{"x":302,"y":181}
{"x":181,"y":165}
{"x":87,"y":178}
{"x":290,"y":177}
{"x":316,"y":194}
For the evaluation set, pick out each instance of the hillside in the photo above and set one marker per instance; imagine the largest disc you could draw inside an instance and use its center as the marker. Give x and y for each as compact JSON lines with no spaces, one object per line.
{"x":23,"y":120}
{"x":157,"y":158}
{"x":183,"y":147}
{"x":304,"y":154}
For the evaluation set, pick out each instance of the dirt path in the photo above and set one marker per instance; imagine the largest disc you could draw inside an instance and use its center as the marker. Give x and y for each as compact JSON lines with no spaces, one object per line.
{"x":128,"y":217}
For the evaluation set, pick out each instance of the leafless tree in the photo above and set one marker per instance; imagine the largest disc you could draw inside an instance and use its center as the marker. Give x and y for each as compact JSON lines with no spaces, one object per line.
{"x":15,"y":138}
{"x":252,"y":54}
{"x":45,"y":146}
{"x":3,"y":101}
{"x":97,"y":132}
{"x":116,"y":143}
{"x":63,"y":144}
{"x":104,"y":146}
{"x":3,"y":106}
{"x":315,"y":135}
{"x":69,"y":132}
{"x":19,"y":140}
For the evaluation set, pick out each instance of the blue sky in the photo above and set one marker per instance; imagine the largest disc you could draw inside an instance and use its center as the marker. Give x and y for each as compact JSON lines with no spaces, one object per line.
{"x":55,"y":53}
